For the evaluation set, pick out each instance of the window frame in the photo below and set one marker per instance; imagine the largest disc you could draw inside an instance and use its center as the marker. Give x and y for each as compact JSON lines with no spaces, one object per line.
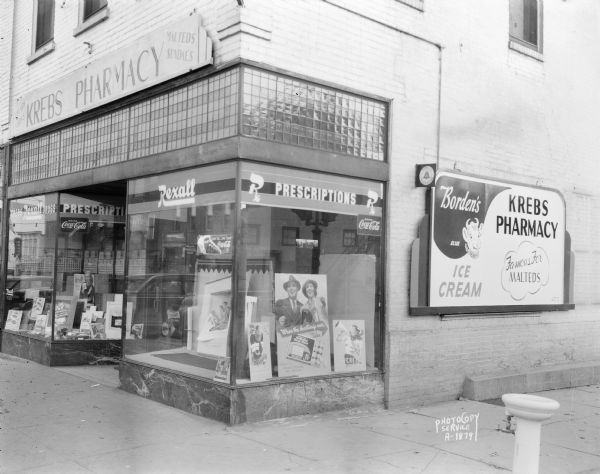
{"x":515,"y":43}
{"x":46,"y":47}
{"x":84,"y":24}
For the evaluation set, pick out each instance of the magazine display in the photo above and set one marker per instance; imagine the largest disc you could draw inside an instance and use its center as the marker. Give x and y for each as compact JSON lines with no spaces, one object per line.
{"x":13,"y":320}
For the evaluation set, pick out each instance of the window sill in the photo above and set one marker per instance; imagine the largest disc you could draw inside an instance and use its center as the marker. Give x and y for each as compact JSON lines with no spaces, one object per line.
{"x":96,"y":18}
{"x":416,"y":4}
{"x":41,"y":52}
{"x":526,"y":50}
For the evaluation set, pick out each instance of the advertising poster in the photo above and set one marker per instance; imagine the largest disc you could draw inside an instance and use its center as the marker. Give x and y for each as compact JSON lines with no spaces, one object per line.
{"x":302,"y":324}
{"x":259,"y":347}
{"x":349,"y":345}
{"x":495,"y":244}
{"x":215,"y":304}
{"x":13,"y":319}
{"x":38,"y":306}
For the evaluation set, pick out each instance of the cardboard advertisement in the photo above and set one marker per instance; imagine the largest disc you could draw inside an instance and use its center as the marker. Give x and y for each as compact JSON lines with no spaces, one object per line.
{"x":349,"y":353}
{"x":259,"y":343}
{"x":302,"y":325}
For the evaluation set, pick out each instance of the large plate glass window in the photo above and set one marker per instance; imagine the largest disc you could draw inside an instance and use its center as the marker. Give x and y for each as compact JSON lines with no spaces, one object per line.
{"x":180,"y":243}
{"x":311,"y":247}
{"x":90,"y":267}
{"x":30,"y":265}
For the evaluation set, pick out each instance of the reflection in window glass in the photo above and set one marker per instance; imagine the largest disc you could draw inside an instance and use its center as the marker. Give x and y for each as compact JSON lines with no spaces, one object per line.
{"x":30,"y":265}
{"x":180,"y":235}
{"x":311,"y":301}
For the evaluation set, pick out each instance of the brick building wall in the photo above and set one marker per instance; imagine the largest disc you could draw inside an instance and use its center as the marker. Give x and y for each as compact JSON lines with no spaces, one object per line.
{"x":6,"y":29}
{"x":459,"y":96}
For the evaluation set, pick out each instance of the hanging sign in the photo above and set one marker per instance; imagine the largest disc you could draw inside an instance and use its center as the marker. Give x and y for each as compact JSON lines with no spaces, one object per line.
{"x":495,"y":244}
{"x":165,"y":53}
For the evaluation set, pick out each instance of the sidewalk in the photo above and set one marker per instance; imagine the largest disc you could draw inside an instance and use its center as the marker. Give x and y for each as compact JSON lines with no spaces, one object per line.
{"x":76,"y":420}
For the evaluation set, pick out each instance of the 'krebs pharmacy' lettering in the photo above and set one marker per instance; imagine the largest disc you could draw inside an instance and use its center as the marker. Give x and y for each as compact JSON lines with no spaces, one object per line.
{"x":121,"y":76}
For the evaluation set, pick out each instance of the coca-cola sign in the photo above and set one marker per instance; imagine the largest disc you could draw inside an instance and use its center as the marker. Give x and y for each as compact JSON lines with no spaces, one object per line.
{"x":369,"y":225}
{"x":74,"y":224}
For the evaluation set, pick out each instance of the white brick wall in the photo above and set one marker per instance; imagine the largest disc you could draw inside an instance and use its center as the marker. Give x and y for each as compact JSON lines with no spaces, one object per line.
{"x":502,"y":114}
{"x":6,"y":29}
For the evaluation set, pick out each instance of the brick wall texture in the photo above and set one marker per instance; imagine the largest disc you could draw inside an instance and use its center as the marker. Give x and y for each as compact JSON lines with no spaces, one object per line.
{"x":459,"y":96}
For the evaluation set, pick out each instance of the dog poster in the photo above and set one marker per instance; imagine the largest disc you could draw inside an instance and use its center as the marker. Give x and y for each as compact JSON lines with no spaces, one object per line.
{"x":259,"y":348}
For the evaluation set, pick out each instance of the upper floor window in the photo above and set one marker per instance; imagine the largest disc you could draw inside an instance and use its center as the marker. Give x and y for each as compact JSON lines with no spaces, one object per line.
{"x":44,"y":23}
{"x":43,"y":31}
{"x":526,"y":24}
{"x":90,"y":7}
{"x":91,"y":12}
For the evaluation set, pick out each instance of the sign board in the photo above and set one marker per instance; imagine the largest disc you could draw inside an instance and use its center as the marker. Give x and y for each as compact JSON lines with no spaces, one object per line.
{"x":495,"y":244}
{"x":165,"y":53}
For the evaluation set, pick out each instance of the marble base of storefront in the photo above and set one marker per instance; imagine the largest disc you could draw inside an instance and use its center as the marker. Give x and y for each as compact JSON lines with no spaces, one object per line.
{"x":252,"y":402}
{"x":60,"y":353}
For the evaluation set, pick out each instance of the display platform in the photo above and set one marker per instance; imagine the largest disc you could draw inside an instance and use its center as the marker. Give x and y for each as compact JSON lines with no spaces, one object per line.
{"x":64,"y":352}
{"x":250,"y":403}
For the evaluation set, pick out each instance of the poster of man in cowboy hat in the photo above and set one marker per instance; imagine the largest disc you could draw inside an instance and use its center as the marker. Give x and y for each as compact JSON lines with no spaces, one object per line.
{"x":303,"y":339}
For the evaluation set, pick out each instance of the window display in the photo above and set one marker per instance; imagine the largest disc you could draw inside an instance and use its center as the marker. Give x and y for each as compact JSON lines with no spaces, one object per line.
{"x":79,"y":294}
{"x":30,"y":265}
{"x":316,"y":302}
{"x":179,"y":301}
{"x":299,"y":300}
{"x":90,"y":267}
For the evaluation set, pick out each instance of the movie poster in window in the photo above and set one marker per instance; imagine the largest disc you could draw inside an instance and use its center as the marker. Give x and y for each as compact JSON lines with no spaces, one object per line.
{"x":349,"y":345}
{"x":302,"y":324}
{"x":215,"y":316}
{"x":259,"y":347}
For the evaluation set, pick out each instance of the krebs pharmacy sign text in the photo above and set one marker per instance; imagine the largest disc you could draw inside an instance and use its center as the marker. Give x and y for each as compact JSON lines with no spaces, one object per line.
{"x":168,"y":52}
{"x":495,"y":244}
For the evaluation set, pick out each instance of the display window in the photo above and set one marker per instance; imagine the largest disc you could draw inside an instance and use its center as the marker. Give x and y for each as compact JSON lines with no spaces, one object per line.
{"x":30,"y":265}
{"x":180,"y":267}
{"x":90,"y":267}
{"x":246,"y":273}
{"x":311,"y":292}
{"x":65,"y":269}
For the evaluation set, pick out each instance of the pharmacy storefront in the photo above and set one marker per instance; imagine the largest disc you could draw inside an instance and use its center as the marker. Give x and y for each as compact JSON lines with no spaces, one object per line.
{"x":221,"y":258}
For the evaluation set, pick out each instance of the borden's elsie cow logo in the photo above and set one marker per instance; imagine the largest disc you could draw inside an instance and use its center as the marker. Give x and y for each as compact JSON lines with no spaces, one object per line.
{"x":460,"y":211}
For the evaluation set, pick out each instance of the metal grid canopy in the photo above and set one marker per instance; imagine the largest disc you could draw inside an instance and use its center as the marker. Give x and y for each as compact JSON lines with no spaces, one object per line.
{"x":274,"y":108}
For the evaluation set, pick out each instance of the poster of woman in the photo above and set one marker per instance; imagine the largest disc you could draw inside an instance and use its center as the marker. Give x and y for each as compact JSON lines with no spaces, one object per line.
{"x":349,"y":345}
{"x":302,"y":324}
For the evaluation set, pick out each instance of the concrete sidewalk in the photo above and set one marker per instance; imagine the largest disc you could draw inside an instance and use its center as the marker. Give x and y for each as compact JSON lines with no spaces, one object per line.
{"x":76,"y":420}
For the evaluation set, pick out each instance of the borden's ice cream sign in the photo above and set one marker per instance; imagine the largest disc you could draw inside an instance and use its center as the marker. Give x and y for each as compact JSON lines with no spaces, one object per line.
{"x":495,"y":244}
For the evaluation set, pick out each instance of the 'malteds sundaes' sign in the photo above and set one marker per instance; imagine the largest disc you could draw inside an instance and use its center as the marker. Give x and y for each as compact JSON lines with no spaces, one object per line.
{"x":495,"y":243}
